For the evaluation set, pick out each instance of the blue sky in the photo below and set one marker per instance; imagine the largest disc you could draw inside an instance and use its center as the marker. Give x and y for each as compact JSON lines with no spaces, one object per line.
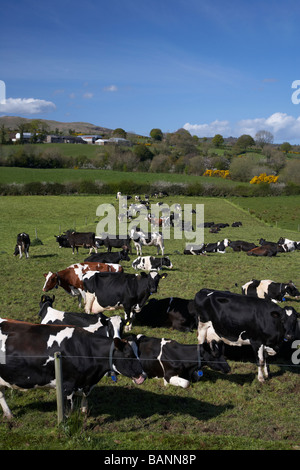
{"x":209,"y":66}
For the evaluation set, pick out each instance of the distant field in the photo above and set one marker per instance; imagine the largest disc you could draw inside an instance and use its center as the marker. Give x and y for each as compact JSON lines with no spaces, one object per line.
{"x":27,"y":175}
{"x":283,"y":211}
{"x":220,"y":412}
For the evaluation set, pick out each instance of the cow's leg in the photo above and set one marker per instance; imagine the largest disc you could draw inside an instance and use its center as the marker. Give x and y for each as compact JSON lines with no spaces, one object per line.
{"x":6,"y":411}
{"x":129,"y":316}
{"x":202,"y":331}
{"x":89,"y":299}
{"x":261,"y":363}
{"x":177,"y":381}
{"x":84,"y":404}
{"x":262,"y":353}
{"x":20,"y":251}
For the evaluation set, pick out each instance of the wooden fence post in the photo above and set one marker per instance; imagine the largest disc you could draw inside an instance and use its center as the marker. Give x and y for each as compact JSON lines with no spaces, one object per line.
{"x":59,"y":387}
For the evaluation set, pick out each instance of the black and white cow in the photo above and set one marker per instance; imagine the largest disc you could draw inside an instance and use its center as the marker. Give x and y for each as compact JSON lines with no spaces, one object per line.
{"x":178,"y":364}
{"x":266,"y":289}
{"x":194,"y":250}
{"x":120,"y":290}
{"x":288,"y":245}
{"x":27,"y":359}
{"x":241,"y":320}
{"x":149,"y":263}
{"x":98,"y":323}
{"x":218,"y":247}
{"x":147,"y":239}
{"x":171,"y":312}
{"x":107,"y":257}
{"x":23,"y":244}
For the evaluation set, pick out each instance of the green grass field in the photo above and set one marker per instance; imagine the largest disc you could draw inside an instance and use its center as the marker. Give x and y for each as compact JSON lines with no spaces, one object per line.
{"x":28,"y":175}
{"x":219,"y":412}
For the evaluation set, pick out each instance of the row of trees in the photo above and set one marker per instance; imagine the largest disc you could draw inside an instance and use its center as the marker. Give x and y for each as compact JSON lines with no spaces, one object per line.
{"x":177,"y":152}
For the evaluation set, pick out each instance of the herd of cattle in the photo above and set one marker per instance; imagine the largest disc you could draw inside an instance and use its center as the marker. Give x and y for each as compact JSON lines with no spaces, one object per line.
{"x":94,"y":345}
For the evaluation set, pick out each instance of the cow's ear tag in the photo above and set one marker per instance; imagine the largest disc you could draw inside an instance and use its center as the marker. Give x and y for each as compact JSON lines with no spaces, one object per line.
{"x":200,"y":373}
{"x":127,"y":323}
{"x":284,"y":299}
{"x":113,"y":378}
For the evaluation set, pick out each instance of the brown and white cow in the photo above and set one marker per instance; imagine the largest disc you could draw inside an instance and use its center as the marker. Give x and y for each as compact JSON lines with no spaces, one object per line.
{"x":71,"y":278}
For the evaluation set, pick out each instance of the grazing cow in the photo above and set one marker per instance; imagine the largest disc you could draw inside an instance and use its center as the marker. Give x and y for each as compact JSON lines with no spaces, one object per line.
{"x":150,"y":239}
{"x":240,"y":245}
{"x":109,"y":257}
{"x":27,"y":359}
{"x":23,"y":244}
{"x":241,"y":320}
{"x":113,"y":241}
{"x":270,"y":290}
{"x":149,"y":263}
{"x":171,"y":312}
{"x":84,"y":239}
{"x":194,"y":250}
{"x":218,"y":247}
{"x":178,"y":364}
{"x":106,"y":291}
{"x":98,"y":323}
{"x":264,"y":250}
{"x":71,"y":278}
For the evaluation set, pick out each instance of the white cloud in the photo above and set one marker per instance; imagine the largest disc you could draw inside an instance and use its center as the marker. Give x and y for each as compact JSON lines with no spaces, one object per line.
{"x":88,"y":96}
{"x":111,"y":88}
{"x":209,"y":130}
{"x":281,"y":125}
{"x":26,"y":106}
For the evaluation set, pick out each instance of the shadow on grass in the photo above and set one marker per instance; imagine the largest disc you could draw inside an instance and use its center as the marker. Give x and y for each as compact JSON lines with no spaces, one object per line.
{"x":120,"y":404}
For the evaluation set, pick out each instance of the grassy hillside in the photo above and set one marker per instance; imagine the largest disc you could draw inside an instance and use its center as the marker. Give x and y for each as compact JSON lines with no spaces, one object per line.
{"x":220,"y":412}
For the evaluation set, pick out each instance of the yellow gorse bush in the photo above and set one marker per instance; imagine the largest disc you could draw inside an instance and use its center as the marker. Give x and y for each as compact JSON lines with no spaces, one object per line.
{"x":264,"y":178}
{"x":219,"y":173}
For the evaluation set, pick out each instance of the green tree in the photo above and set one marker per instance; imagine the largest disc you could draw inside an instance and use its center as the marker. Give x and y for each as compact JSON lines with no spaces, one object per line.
{"x":156,"y":134}
{"x":285,"y":147}
{"x":243,"y":142}
{"x":2,"y":134}
{"x":218,"y":140}
{"x":142,"y":152}
{"x":119,"y":132}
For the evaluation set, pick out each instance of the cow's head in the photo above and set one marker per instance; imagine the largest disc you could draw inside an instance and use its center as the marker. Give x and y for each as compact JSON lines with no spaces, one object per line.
{"x":213,"y":356}
{"x":51,"y":281}
{"x":124,"y":254}
{"x":167,"y":262}
{"x":125,"y":362}
{"x":153,"y":280}
{"x":46,"y":299}
{"x":292,"y":290}
{"x":288,"y":318}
